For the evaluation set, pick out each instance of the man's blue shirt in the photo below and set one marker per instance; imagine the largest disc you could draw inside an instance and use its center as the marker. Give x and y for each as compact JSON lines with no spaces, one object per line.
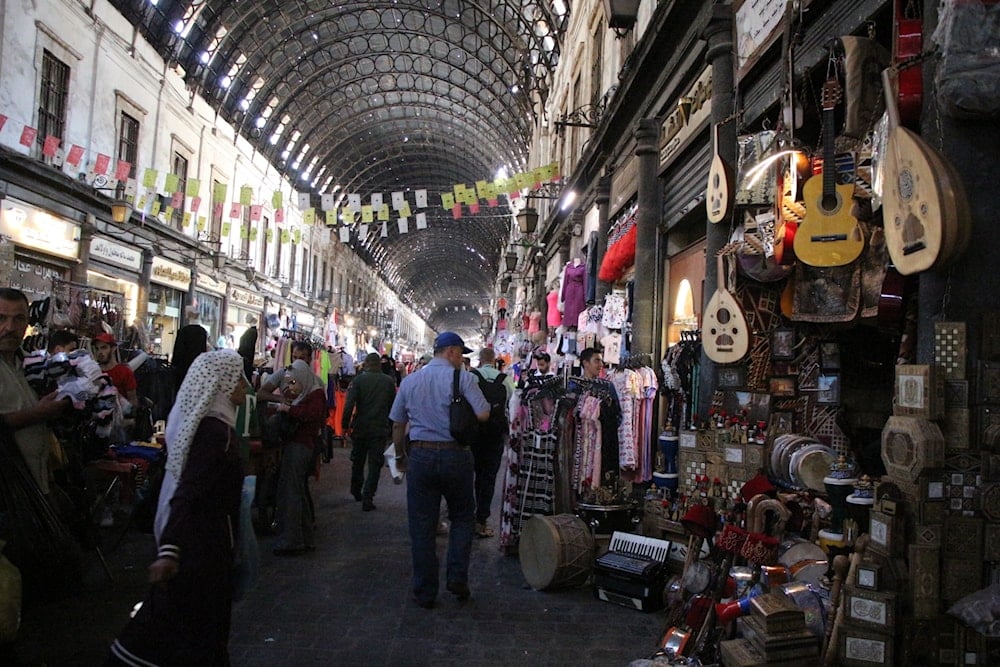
{"x":424,"y":397}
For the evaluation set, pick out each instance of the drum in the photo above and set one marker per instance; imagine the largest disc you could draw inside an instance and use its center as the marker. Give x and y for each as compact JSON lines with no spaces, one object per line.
{"x":606,"y":519}
{"x":556,"y":551}
{"x":806,"y":561}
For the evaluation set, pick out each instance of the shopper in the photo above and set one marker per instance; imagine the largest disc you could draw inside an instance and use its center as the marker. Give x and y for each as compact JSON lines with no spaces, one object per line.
{"x":105,"y":349}
{"x":185,"y":617}
{"x":191,"y":341}
{"x":493,"y":434}
{"x":366,"y":418}
{"x":437,"y":467}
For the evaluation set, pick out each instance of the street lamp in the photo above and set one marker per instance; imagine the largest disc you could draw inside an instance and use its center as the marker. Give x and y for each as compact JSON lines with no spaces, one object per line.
{"x":511,"y":259}
{"x":527,"y":220}
{"x":622,"y":14}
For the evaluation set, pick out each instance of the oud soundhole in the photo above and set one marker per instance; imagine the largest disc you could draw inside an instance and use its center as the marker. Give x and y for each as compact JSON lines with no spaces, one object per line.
{"x":724,"y":316}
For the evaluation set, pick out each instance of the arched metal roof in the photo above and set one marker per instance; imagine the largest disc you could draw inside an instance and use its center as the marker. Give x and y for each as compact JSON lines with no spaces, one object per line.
{"x":376,"y":97}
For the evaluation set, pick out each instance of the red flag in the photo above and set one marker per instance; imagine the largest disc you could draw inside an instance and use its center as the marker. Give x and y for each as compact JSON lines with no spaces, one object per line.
{"x":75,"y":154}
{"x":279,"y":215}
{"x":195,"y":204}
{"x":456,"y":211}
{"x":493,"y":202}
{"x":255,"y":210}
{"x":101,"y":164}
{"x":177,"y":200}
{"x":474,"y":208}
{"x":122,"y":170}
{"x":50,"y":146}
{"x":28,"y":135}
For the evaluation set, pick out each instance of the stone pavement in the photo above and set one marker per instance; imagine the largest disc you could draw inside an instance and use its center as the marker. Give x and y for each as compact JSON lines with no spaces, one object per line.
{"x":348,"y":603}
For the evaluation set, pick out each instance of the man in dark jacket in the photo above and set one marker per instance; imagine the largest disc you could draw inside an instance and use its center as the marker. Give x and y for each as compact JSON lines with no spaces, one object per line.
{"x":366,"y":418}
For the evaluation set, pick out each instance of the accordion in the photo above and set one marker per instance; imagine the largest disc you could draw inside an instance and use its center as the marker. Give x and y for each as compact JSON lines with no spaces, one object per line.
{"x":633,"y":572}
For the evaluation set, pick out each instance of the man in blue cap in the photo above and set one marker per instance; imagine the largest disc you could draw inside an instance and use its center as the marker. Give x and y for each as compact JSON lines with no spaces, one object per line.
{"x":437,"y":466}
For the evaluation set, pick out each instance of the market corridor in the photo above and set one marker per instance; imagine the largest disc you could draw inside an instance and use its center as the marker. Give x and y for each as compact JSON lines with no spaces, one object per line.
{"x":348,"y":603}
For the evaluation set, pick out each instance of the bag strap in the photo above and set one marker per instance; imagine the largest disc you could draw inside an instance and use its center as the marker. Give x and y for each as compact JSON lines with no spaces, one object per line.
{"x":455,"y":394}
{"x":500,"y":378}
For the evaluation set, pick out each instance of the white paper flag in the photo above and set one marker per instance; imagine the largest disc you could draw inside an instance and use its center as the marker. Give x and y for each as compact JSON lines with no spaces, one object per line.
{"x":404,"y":225}
{"x":377,"y":200}
{"x":363,"y":232}
{"x":421,"y":196}
{"x":345,"y":234}
{"x":385,"y":229}
{"x":397,"y":200}
{"x":130,"y":188}
{"x":354,"y":202}
{"x":326,"y":201}
{"x":303,"y":200}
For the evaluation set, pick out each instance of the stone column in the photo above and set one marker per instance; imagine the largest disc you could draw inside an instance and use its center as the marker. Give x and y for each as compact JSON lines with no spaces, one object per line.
{"x":720,"y":57}
{"x":644,"y":339}
{"x":603,"y":227}
{"x":87,"y":229}
{"x":142,"y":300}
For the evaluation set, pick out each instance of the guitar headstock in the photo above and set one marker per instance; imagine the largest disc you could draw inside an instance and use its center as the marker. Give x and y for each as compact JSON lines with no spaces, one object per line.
{"x":832,"y":93}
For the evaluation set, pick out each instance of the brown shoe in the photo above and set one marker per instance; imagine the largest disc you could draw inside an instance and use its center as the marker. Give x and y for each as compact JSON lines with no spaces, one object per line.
{"x":484,"y":531}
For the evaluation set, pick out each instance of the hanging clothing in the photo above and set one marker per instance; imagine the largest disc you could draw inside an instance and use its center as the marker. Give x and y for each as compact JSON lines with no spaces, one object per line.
{"x":553,"y":317}
{"x":573,"y":292}
{"x":534,"y":321}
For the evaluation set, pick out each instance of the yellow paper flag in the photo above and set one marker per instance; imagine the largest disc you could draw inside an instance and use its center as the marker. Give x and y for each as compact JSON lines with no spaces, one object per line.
{"x":246,"y":195}
{"x":192,"y":187}
{"x":383,"y":212}
{"x":171,"y":183}
{"x":367,"y":214}
{"x":309,"y":216}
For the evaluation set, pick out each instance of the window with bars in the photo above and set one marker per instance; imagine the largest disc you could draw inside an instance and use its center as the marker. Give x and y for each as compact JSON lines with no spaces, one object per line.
{"x":265,"y":226}
{"x":180,"y":170}
{"x":128,"y":141}
{"x":53,"y":97}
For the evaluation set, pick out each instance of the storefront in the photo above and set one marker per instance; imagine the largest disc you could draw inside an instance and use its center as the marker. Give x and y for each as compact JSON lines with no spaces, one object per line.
{"x":244,"y":311}
{"x":208,"y":299}
{"x":169,"y":285}
{"x":44,"y":248}
{"x":115,"y":267}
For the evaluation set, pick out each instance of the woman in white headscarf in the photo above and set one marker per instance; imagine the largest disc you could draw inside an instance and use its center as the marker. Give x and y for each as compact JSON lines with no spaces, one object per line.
{"x":304,"y":400}
{"x":185,"y":617}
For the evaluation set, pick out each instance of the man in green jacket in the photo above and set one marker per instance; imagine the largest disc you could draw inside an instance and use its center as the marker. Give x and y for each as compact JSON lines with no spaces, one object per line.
{"x":366,"y":419}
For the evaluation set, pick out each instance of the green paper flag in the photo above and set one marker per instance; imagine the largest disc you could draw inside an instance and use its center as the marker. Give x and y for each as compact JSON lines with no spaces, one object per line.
{"x":219,"y":193}
{"x":309,"y":216}
{"x":246,"y":195}
{"x":149,"y":178}
{"x":447,"y":200}
{"x":226,"y":227}
{"x":192,"y":188}
{"x":277,"y":201}
{"x":171,"y":183}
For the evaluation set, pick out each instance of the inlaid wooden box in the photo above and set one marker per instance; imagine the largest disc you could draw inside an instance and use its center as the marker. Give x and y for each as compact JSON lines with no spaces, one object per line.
{"x":959,"y":577}
{"x":911,"y":445}
{"x":963,"y":538}
{"x":864,"y":648}
{"x":885,"y":532}
{"x":874,"y":609}
{"x":919,"y":391}
{"x":950,"y":348}
{"x":925,"y":580}
{"x":991,"y":542}
{"x":988,"y":382}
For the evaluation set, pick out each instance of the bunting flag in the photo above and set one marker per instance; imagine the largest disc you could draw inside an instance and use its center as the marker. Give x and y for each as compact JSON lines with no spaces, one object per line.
{"x":226,"y":228}
{"x":154,"y":210}
{"x":404,"y":210}
{"x":286,"y":236}
{"x":172,"y":183}
{"x":192,"y":188}
{"x":421,"y":197}
{"x":363,"y":231}
{"x":354,"y":202}
{"x":302,"y":198}
{"x":195,"y":203}
{"x":331,"y":217}
{"x":101,"y":164}
{"x":217,"y":210}
{"x":255,"y":212}
{"x":345,"y":234}
{"x":130,"y":188}
{"x":421,"y":220}
{"x":276,"y":199}
{"x":50,"y":146}
{"x":474,"y":208}
{"x":168,"y":212}
{"x":385,"y":230}
{"x":3,"y":120}
{"x":456,"y":211}
{"x":75,"y":155}
{"x":219,"y":193}
{"x":398,"y":200}
{"x":448,"y":201}
{"x":404,"y":225}
{"x":149,"y":177}
{"x":202,"y":223}
{"x":279,"y":215}
{"x":309,"y":216}
{"x":268,"y":235}
{"x":376,"y":200}
{"x":383,"y":212}
{"x":253,"y":233}
{"x":186,"y":219}
{"x":367,"y":214}
{"x":244,"y":231}
{"x":28,"y":135}
{"x":177,"y":200}
{"x":246,"y":195}
{"x":235,"y":210}
{"x":296,"y":235}
{"x":327,"y":201}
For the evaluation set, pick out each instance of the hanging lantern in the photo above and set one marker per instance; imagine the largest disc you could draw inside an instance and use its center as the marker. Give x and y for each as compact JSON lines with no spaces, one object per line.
{"x":511,"y":259}
{"x":527,"y":221}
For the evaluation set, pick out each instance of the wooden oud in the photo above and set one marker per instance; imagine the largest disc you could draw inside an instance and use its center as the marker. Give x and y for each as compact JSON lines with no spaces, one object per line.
{"x":726,"y":338}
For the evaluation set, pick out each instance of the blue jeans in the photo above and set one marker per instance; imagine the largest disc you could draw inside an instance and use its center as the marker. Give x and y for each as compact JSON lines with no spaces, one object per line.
{"x":431,"y":474}
{"x":367,"y":450}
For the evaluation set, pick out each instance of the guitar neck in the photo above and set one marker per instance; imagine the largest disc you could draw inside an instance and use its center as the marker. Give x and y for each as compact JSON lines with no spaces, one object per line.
{"x":829,"y":155}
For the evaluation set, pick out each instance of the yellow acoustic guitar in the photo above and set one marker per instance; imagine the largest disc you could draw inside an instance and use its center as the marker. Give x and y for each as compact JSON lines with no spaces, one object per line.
{"x":726,"y":338}
{"x":829,"y":235}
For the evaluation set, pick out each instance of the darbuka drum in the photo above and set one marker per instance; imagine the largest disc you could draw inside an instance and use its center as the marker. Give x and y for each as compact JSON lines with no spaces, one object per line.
{"x":606,"y":519}
{"x":806,"y":561}
{"x":556,"y":551}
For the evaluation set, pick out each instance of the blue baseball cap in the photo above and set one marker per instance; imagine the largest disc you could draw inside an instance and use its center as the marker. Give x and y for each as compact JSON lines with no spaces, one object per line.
{"x":450,"y":339}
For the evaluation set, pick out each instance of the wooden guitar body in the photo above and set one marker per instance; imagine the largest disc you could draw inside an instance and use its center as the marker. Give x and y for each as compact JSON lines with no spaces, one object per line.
{"x":829,"y":235}
{"x":719,"y":192}
{"x":725,"y":336}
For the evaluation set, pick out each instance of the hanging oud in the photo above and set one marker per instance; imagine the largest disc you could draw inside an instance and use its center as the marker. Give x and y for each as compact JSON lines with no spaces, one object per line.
{"x":719,"y":193}
{"x":924,"y":205}
{"x":726,"y":338}
{"x":829,"y":235}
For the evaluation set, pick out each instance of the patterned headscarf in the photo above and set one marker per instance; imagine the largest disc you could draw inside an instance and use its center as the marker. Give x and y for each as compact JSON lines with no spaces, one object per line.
{"x":304,"y":377}
{"x":206,"y":389}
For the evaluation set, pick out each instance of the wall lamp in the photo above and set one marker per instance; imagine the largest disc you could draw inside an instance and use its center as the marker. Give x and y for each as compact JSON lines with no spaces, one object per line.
{"x":622,"y":15}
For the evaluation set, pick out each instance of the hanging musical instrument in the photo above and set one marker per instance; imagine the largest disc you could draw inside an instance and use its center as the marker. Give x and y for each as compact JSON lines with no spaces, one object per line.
{"x":907,"y":43}
{"x":719,"y":193}
{"x":926,"y":212}
{"x":726,"y":336}
{"x":829,"y":234}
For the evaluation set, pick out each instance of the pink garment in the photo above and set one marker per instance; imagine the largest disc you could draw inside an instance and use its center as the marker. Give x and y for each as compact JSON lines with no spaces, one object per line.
{"x":554,"y":316}
{"x":534,"y":321}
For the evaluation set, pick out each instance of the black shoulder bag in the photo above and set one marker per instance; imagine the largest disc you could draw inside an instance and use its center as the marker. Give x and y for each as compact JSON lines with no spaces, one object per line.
{"x":462,"y":420}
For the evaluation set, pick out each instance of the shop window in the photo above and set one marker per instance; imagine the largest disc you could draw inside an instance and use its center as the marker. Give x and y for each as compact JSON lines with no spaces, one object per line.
{"x":53,"y":97}
{"x":128,"y":140}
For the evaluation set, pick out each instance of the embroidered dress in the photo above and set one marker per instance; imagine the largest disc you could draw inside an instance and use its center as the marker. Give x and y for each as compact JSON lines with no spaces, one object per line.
{"x":573,"y":292}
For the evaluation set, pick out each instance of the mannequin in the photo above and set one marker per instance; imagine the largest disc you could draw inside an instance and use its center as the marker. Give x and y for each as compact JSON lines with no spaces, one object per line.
{"x":553,"y":316}
{"x":534,"y":321}
{"x":573,"y":291}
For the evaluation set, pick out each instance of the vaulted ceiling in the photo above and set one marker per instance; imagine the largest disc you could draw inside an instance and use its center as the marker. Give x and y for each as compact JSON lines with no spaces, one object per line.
{"x":377,"y":97}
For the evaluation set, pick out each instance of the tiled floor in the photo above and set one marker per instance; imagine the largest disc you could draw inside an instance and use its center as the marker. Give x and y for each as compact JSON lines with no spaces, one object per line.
{"x":348,"y":603}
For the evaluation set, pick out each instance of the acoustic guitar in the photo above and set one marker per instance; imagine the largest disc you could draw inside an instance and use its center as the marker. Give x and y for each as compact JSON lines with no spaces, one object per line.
{"x":924,"y":205}
{"x":726,"y":338}
{"x":719,"y":193}
{"x":829,"y":235}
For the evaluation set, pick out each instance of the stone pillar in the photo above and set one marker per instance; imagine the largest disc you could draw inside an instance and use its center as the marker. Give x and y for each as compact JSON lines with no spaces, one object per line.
{"x":646,"y":247}
{"x":87,"y":229}
{"x":142,"y":301}
{"x":720,"y":57}
{"x":603,"y":227}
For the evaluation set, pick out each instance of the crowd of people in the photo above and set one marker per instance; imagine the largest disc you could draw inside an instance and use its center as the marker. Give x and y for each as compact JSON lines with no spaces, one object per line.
{"x":185,"y":616}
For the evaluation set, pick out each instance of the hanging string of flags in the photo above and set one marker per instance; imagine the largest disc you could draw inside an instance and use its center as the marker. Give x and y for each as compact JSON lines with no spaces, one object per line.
{"x":164,"y":193}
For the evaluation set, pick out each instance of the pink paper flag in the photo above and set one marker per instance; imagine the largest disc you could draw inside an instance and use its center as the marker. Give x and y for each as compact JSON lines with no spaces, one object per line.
{"x":456,"y":211}
{"x":75,"y":155}
{"x":474,"y":208}
{"x":195,"y":204}
{"x":279,"y":215}
{"x":177,"y":200}
{"x":28,"y":135}
{"x":493,"y":202}
{"x":101,"y":164}
{"x":122,"y":170}
{"x":217,"y":210}
{"x":235,"y":210}
{"x":255,"y":211}
{"x":50,"y":146}
{"x":3,"y":121}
